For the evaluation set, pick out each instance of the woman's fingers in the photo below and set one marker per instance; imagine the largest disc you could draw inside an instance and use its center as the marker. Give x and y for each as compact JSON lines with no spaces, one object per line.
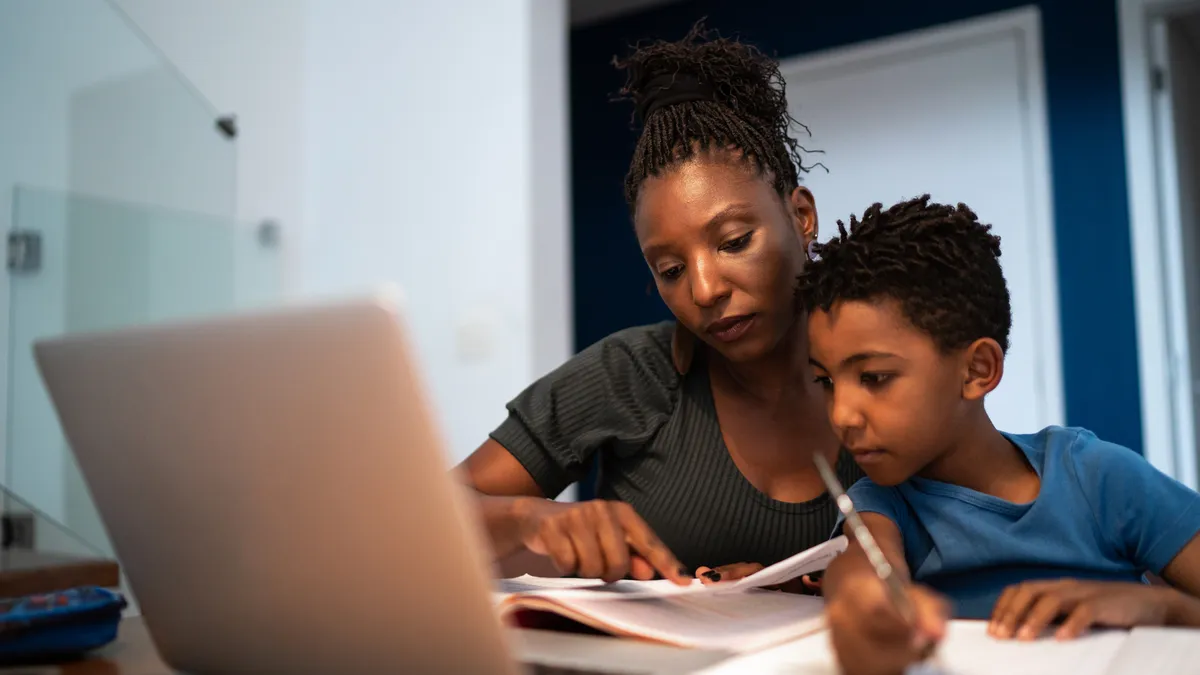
{"x":640,"y":568}
{"x":612,"y":544}
{"x":712,"y":575}
{"x":645,"y":543}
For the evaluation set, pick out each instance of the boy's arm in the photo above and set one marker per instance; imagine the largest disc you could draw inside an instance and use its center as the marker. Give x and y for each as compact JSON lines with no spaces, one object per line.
{"x":1147,"y":517}
{"x":868,"y":633}
{"x":1183,"y":572}
{"x":854,"y":561}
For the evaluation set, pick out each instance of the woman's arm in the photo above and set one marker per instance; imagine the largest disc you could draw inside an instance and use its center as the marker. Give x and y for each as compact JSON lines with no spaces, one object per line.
{"x":507,"y":494}
{"x":594,"y":539}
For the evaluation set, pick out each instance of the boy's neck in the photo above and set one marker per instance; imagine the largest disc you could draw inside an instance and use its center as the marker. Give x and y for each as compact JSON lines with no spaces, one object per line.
{"x":985,"y":460}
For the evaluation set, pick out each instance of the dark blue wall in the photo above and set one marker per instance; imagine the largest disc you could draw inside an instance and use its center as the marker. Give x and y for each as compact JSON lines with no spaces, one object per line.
{"x":612,"y":285}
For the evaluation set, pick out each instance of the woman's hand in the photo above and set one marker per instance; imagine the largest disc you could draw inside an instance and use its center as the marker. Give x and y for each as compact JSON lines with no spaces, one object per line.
{"x":712,"y":575}
{"x":869,"y":635}
{"x":806,"y":584}
{"x":597,"y":540}
{"x":1025,"y":610}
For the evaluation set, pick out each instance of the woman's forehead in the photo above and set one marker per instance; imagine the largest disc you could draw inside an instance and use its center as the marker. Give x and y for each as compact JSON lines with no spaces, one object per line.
{"x":694,"y":191}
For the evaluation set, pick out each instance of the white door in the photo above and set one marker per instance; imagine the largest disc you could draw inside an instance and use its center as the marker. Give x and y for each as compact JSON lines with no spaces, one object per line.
{"x":1174,"y":44}
{"x":957,"y":112}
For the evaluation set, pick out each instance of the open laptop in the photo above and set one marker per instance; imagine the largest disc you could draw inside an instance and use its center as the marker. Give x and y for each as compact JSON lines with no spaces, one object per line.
{"x":277,"y":493}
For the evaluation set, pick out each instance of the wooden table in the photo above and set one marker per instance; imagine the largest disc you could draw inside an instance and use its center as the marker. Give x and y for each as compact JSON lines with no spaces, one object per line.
{"x":133,"y":654}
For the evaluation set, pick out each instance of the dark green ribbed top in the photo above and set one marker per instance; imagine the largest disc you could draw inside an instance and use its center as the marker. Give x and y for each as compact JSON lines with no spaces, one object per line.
{"x":660,"y":450}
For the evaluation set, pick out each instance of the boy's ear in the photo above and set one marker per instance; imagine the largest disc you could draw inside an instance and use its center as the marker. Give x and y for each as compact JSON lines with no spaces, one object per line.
{"x":984,"y":361}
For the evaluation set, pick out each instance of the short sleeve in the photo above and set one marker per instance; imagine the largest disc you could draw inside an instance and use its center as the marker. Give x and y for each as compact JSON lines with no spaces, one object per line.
{"x":1148,"y":516}
{"x":870,"y":497}
{"x":616,"y":394}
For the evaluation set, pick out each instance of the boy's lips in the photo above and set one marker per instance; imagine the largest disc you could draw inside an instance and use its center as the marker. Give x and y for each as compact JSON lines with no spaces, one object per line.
{"x":869,"y":455}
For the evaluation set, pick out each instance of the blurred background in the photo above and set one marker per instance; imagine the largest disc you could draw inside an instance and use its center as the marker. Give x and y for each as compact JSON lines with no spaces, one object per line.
{"x":162,"y":159}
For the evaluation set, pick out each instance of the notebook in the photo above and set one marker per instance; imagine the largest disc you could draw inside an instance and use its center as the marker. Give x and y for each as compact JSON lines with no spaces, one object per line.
{"x":738,"y":616}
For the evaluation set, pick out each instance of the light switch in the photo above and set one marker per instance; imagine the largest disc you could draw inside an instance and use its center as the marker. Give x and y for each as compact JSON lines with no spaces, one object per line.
{"x":475,"y":335}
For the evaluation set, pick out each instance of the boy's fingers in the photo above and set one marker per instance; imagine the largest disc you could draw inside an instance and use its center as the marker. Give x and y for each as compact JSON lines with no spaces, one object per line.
{"x":933,"y":613}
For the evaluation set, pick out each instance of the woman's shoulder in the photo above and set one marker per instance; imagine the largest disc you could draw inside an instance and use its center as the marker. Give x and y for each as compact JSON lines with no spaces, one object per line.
{"x":653,"y":339}
{"x":640,"y":354}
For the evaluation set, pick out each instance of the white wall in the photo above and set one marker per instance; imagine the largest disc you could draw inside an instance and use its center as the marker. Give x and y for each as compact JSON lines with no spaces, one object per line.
{"x":418,"y":143}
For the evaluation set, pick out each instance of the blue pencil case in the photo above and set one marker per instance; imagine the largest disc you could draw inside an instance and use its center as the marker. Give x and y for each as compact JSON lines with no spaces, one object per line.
{"x":59,"y":626}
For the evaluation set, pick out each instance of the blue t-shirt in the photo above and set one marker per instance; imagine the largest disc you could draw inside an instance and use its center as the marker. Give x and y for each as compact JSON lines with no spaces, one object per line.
{"x":1103,"y":513}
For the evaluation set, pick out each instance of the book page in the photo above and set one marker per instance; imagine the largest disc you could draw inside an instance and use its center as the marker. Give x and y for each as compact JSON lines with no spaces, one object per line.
{"x":584,"y":589}
{"x":528,"y":583}
{"x":736,"y":622}
{"x":967,"y":650}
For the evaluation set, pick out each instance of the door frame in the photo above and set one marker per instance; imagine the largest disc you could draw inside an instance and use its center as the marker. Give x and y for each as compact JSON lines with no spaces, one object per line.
{"x":1025,"y":25}
{"x":1168,"y":437}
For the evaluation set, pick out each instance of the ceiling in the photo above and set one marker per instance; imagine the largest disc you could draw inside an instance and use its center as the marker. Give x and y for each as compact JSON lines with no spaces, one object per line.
{"x":585,"y":12}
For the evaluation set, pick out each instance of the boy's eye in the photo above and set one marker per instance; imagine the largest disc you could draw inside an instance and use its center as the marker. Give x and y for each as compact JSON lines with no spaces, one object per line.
{"x":738,"y":243}
{"x":875,"y":379}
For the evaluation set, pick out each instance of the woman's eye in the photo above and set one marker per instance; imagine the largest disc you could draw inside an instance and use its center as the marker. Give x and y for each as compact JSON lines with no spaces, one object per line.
{"x":671,"y":273}
{"x":875,"y":379}
{"x":738,"y":243}
{"x":825,"y":381}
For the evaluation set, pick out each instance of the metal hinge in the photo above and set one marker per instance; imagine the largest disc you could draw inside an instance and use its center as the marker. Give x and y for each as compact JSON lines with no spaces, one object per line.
{"x":1158,"y":79}
{"x":269,"y":234}
{"x":24,"y":251}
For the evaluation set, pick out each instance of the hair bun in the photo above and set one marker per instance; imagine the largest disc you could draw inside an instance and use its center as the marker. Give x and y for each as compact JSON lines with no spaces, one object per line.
{"x":733,"y":73}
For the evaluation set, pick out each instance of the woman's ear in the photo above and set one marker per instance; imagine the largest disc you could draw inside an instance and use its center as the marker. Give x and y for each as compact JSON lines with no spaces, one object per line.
{"x":683,"y":348}
{"x":984,"y":361}
{"x":803,"y":210}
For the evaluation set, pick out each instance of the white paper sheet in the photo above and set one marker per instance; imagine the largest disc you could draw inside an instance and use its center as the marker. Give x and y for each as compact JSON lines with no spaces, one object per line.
{"x":967,"y":650}
{"x":805,"y":562}
{"x":1161,"y":651}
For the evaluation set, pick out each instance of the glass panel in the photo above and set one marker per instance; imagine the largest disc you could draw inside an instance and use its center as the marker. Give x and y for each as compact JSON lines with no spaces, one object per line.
{"x":106,"y":264}
{"x":34,"y":541}
{"x":88,"y":106}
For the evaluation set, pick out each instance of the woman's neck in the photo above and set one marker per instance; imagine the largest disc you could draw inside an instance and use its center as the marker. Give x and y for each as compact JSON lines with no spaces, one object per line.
{"x":778,"y":375}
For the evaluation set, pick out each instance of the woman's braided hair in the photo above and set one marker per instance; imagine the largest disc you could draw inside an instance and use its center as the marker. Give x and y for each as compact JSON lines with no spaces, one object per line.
{"x":746,"y":110}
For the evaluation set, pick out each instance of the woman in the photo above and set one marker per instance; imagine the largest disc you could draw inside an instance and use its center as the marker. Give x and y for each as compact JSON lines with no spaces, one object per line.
{"x":704,"y":428}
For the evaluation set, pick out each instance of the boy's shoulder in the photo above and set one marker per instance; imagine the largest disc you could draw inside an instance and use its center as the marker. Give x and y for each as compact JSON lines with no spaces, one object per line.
{"x":1077,"y":447}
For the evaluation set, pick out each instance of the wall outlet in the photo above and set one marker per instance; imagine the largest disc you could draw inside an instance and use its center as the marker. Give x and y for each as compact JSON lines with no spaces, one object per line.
{"x":18,"y":531}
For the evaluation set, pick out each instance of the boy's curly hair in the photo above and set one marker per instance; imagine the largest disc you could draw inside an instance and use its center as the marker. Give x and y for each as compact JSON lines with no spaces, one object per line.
{"x":939,"y":262}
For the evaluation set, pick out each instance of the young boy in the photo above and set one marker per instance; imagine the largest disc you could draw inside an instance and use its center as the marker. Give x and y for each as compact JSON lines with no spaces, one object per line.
{"x":909,"y":320}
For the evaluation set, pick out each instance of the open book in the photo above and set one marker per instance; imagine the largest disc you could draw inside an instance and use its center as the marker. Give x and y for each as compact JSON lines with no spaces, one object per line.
{"x":738,"y":616}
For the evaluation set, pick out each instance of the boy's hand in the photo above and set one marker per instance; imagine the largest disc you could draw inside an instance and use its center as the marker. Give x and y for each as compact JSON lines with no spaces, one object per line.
{"x":1025,"y":610}
{"x":869,"y":635}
